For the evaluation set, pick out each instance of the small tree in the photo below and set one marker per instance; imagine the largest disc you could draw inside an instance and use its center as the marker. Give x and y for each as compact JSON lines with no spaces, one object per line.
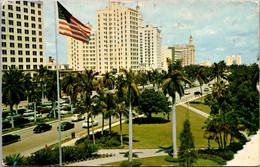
{"x":152,"y":101}
{"x":187,"y":153}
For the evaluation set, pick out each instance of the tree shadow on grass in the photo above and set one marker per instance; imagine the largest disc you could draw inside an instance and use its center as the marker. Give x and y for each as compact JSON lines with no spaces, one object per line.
{"x":153,"y":120}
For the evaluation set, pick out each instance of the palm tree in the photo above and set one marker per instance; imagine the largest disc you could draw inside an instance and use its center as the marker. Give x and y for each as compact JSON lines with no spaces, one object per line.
{"x":132,"y":93}
{"x":142,"y":78}
{"x":41,"y":77}
{"x":13,"y":89}
{"x":200,"y":74}
{"x":108,"y":80}
{"x":28,"y":86}
{"x":218,"y":71}
{"x":171,"y":85}
{"x":51,"y":89}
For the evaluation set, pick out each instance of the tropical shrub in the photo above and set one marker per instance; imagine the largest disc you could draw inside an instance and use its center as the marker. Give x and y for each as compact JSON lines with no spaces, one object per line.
{"x":134,"y":163}
{"x":171,"y":159}
{"x":85,"y":150}
{"x":214,"y":158}
{"x":227,"y":155}
{"x":11,"y":159}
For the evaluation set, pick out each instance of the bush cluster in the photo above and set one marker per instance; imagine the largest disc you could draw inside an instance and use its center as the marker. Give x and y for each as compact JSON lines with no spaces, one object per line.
{"x":171,"y":159}
{"x":134,"y":163}
{"x":214,"y":158}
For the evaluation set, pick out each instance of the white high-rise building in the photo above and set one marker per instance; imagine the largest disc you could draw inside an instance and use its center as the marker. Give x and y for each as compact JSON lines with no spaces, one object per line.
{"x":166,"y":54}
{"x":150,"y":45}
{"x":22,"y":35}
{"x":117,"y":37}
{"x":81,"y":55}
{"x":233,"y":60}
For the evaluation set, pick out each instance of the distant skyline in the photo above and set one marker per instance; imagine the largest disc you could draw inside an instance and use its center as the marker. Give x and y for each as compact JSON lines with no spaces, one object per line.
{"x":218,"y":28}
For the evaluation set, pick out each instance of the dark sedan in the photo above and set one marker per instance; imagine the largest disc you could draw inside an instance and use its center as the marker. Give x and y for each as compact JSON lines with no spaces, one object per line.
{"x":65,"y":126}
{"x":8,"y":139}
{"x":42,"y":128}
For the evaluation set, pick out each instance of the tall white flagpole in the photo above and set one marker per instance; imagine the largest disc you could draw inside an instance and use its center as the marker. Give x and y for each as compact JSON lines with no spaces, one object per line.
{"x":58,"y":84}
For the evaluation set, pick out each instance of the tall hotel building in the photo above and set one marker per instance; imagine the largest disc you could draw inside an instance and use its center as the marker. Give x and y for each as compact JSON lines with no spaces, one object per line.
{"x":117,"y":37}
{"x":81,"y":55}
{"x":22,"y":35}
{"x":150,"y":47}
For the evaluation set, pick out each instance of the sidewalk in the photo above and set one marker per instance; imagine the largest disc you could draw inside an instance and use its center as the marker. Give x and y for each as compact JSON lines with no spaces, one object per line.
{"x":119,"y":156}
{"x":195,"y":110}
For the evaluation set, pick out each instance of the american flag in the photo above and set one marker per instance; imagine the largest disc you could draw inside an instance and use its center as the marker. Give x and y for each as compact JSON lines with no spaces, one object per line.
{"x":70,"y":26}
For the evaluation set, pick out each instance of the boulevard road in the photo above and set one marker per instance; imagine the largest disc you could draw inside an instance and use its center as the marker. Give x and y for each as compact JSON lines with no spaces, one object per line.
{"x":30,"y":141}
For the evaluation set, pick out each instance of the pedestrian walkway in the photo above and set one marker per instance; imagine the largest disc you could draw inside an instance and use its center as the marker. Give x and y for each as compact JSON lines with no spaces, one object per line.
{"x":118,"y":156}
{"x":249,"y":155}
{"x":195,"y":110}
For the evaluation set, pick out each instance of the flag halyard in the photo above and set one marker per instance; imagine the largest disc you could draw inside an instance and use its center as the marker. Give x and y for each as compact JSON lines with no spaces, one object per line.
{"x":70,"y":26}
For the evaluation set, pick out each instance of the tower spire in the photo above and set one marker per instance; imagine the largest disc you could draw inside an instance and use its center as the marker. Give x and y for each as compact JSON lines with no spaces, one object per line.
{"x":191,"y":40}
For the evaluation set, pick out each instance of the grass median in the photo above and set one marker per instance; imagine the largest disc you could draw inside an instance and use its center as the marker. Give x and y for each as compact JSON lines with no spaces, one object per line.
{"x":156,"y":134}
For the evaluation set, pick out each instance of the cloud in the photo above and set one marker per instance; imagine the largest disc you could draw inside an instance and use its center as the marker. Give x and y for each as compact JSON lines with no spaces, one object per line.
{"x":220,"y":49}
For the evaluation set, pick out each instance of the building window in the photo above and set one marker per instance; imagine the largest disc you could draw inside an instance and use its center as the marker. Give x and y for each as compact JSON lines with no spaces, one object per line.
{"x":34,"y":59}
{"x":20,"y":59}
{"x":25,"y":17}
{"x":33,"y":32}
{"x":39,"y":5}
{"x":28,"y":67}
{"x":12,"y":66}
{"x":12,"y":59}
{"x":34,"y":66}
{"x":26,"y":38}
{"x":39,"y":13}
{"x":12,"y":45}
{"x":34,"y":39}
{"x":41,"y":53}
{"x":32,"y":4}
{"x":11,"y":22}
{"x":17,"y":2}
{"x":20,"y":67}
{"x":27,"y":60}
{"x":20,"y":45}
{"x":11,"y":30}
{"x":27,"y":46}
{"x":19,"y":31}
{"x":3,"y":36}
{"x":4,"y":59}
{"x":32,"y":11}
{"x":18,"y":16}
{"x":26,"y":24}
{"x":11,"y":37}
{"x":40,"y":33}
{"x":3,"y":14}
{"x":33,"y":25}
{"x":34,"y":46}
{"x":10,"y":7}
{"x":18,"y":8}
{"x":26,"y":31}
{"x":25,"y":3}
{"x":40,"y":26}
{"x":25,"y":10}
{"x":3,"y":21}
{"x":40,"y":39}
{"x":33,"y":18}
{"x":27,"y":53}
{"x":20,"y":52}
{"x":19,"y":23}
{"x":3,"y":44}
{"x":39,"y":19}
{"x":41,"y":59}
{"x":3,"y":29}
{"x":4,"y":52}
{"x":19,"y":38}
{"x":34,"y":53}
{"x":12,"y":52}
{"x":4,"y":67}
{"x":40,"y":46}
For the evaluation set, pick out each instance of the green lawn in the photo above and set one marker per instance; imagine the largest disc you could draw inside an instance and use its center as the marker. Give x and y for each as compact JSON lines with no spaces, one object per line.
{"x":151,"y":136}
{"x":158,"y":161}
{"x":201,"y":106}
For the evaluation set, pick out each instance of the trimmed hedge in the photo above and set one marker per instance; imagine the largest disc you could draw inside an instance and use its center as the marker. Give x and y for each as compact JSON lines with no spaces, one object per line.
{"x":134,"y":163}
{"x":171,"y":159}
{"x":214,"y":158}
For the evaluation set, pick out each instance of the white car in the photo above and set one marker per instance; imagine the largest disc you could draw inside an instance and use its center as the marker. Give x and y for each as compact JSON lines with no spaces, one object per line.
{"x":85,"y":124}
{"x":77,"y":117}
{"x":29,"y":113}
{"x":63,"y":112}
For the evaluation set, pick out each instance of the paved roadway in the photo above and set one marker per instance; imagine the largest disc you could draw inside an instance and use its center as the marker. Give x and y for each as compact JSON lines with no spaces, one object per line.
{"x":31,"y":142}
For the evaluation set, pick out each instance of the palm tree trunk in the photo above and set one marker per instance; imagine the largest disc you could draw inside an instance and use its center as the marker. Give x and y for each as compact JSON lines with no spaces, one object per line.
{"x":174,"y":128}
{"x":27,"y":102}
{"x":35,"y":112}
{"x":201,"y":93}
{"x":54,"y":110}
{"x":42,"y":94}
{"x":88,"y":124}
{"x":93,"y":134}
{"x":103,"y":120}
{"x":110,"y":125}
{"x":120,"y":120}
{"x":130,"y":158}
{"x":16,"y":109}
{"x":12,"y":118}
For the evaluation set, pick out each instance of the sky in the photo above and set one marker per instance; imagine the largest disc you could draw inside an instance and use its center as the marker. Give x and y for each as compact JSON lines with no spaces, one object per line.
{"x":219,"y":28}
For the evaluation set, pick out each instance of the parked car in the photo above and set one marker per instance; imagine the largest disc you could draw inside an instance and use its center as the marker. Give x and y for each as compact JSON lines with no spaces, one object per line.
{"x":197,"y":93}
{"x":39,"y":117}
{"x":186,"y":92}
{"x":63,"y":112}
{"x":85,"y":124}
{"x":42,"y":128}
{"x":65,"y":126}
{"x":29,"y":113}
{"x":15,"y":116}
{"x":8,"y":139}
{"x":206,"y":89}
{"x":77,"y":117}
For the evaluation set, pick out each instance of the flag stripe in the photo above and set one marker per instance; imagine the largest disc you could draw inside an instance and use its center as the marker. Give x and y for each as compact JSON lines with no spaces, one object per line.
{"x":70,"y":26}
